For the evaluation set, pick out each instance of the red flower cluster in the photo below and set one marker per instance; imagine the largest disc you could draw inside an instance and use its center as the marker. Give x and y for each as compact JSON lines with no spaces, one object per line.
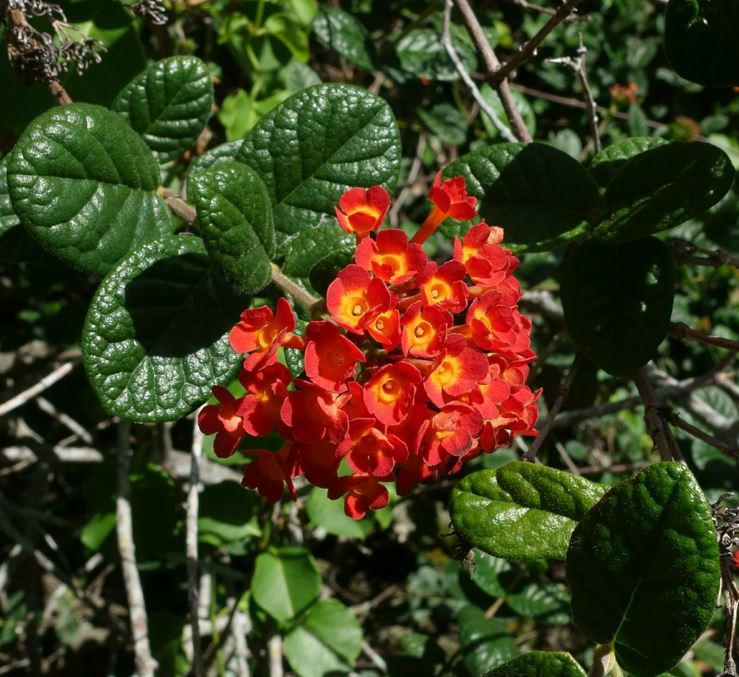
{"x":417,"y":368}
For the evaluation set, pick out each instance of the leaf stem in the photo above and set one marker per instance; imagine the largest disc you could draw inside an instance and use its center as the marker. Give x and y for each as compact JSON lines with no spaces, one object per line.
{"x":659,"y":429}
{"x":183,"y":209}
{"x":302,"y":296}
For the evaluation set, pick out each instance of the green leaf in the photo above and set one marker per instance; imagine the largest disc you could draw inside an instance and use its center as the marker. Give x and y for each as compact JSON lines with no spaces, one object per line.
{"x":446,"y":122}
{"x":341,"y":32}
{"x":700,"y":40}
{"x":421,"y":53}
{"x":606,"y":164}
{"x":156,"y":334}
{"x":538,"y":194}
{"x":617,"y":301}
{"x":522,"y":105}
{"x":293,"y":357}
{"x":226,"y":152}
{"x":486,"y":573}
{"x":546,"y":602}
{"x":327,"y":641}
{"x":168,"y":104}
{"x":227,"y":514}
{"x":285,"y":582}
{"x":662,"y":187}
{"x":8,"y":218}
{"x":329,"y":515}
{"x":522,"y":510}
{"x":327,"y":268}
{"x":540,"y":664}
{"x":643,"y":567}
{"x":83,"y":183}
{"x":484,"y":642}
{"x":317,"y":144}
{"x":236,"y":223}
{"x":313,"y":244}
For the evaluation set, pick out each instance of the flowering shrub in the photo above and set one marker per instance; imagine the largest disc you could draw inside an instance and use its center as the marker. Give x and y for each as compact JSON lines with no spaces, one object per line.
{"x":417,"y":368}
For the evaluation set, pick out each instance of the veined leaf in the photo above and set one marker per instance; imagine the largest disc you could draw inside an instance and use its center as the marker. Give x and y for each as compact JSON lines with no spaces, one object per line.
{"x":643,"y":567}
{"x":82,"y":182}
{"x":540,"y":664}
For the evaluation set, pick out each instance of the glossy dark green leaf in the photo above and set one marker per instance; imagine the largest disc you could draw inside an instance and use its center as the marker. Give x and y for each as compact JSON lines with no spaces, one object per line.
{"x":342,"y":32}
{"x":313,"y":244}
{"x":327,"y":268}
{"x":327,"y":641}
{"x":168,"y":104}
{"x":662,"y":187}
{"x":617,"y":301}
{"x":8,"y":218}
{"x":522,"y":510}
{"x":606,"y":164}
{"x":285,"y":582}
{"x":541,"y":196}
{"x":236,"y":222}
{"x":486,"y":573}
{"x":421,"y":53}
{"x":700,"y":40}
{"x":316,"y":145}
{"x":156,"y":335}
{"x":484,"y":642}
{"x":446,"y":122}
{"x":294,"y":358}
{"x":540,"y":664}
{"x":643,"y":567}
{"x":83,"y":184}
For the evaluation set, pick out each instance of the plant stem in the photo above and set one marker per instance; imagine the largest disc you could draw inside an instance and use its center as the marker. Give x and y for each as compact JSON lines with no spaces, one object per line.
{"x":193,"y":593}
{"x":302,"y":296}
{"x":659,"y":429}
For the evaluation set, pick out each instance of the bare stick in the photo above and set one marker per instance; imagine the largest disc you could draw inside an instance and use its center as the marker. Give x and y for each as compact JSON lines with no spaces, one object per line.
{"x":715,"y":442}
{"x":145,"y":663}
{"x":178,"y":206}
{"x":46,"y":382}
{"x":682,"y":252}
{"x":548,"y":10}
{"x":530,"y":455}
{"x":302,"y":296}
{"x":617,"y":468}
{"x":578,"y":65}
{"x":191,"y":545}
{"x":67,"y":421}
{"x":683,"y":331}
{"x":446,"y":41}
{"x":655,"y":419}
{"x":492,"y":64}
{"x":274,"y":651}
{"x":528,"y":49}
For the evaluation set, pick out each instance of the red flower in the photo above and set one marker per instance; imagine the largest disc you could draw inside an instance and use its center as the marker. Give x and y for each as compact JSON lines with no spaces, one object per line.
{"x":451,"y":432}
{"x":444,"y":286}
{"x":390,"y":257}
{"x":486,"y":263}
{"x":450,"y":200}
{"x":361,"y":211}
{"x":262,"y":331}
{"x":390,"y":393}
{"x":354,"y":298}
{"x":364,"y":493}
{"x":271,"y":471}
{"x":330,"y":357}
{"x":267,"y":388}
{"x":369,"y":450}
{"x":456,"y":371}
{"x":424,"y":329}
{"x":224,"y":421}
{"x":318,"y":462}
{"x":385,"y":328}
{"x":313,"y":414}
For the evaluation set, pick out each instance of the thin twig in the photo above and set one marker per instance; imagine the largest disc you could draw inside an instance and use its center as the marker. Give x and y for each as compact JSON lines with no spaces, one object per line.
{"x":530,"y":455}
{"x":617,"y":468}
{"x":689,"y":428}
{"x":412,"y":176}
{"x":654,"y":417}
{"x":492,"y":64}
{"x":67,"y":421}
{"x":178,"y":206}
{"x":191,"y":545}
{"x":302,"y":296}
{"x":145,"y":663}
{"x":60,"y":94}
{"x":682,"y":252}
{"x":578,"y":65}
{"x":548,"y":10}
{"x":681,"y":330}
{"x":446,"y":41}
{"x":240,"y":629}
{"x":274,"y":651}
{"x":530,"y":47}
{"x":43,"y":384}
